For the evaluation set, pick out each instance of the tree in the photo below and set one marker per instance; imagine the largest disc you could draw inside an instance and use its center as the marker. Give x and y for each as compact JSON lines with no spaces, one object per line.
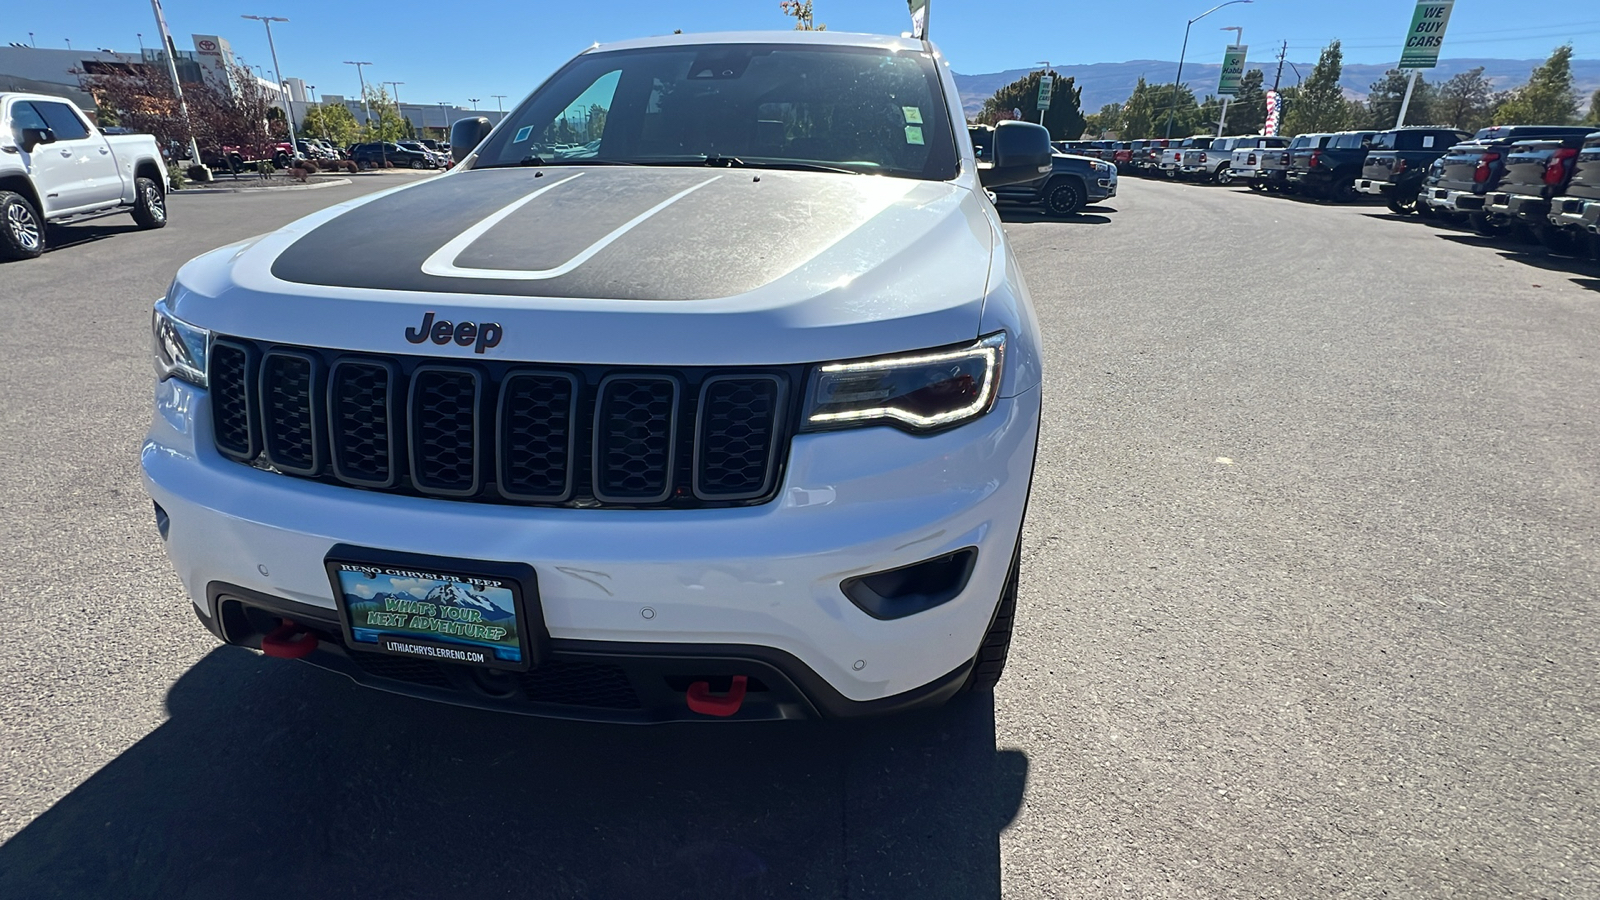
{"x":1384,"y":98}
{"x":235,"y":119}
{"x":1594,"y":109}
{"x":138,"y":97}
{"x":1105,"y":123}
{"x":1466,"y":101}
{"x":1177,"y":104}
{"x":1547,"y":98}
{"x":804,"y":20}
{"x":386,"y":124}
{"x":1321,"y":104}
{"x":332,"y":122}
{"x":1064,"y":119}
{"x":1248,"y":111}
{"x":1139,"y":112}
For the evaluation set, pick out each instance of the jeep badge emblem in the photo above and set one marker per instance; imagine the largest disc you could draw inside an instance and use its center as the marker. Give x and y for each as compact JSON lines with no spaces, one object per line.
{"x":466,"y":334}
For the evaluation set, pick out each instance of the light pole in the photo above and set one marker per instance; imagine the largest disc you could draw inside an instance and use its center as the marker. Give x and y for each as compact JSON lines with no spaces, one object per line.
{"x":177,"y":89}
{"x":500,"y":107}
{"x":398,"y":111}
{"x":364,"y":107}
{"x":277,"y":71}
{"x":444,"y":122}
{"x":1238,"y":40}
{"x":474,"y":102}
{"x":140,"y":36}
{"x":1177,"y":83}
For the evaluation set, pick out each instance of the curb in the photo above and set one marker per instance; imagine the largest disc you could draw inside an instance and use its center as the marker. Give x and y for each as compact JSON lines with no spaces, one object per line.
{"x":262,"y":190}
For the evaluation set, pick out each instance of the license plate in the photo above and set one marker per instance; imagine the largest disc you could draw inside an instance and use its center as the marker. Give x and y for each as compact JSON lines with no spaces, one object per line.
{"x":470,"y":612}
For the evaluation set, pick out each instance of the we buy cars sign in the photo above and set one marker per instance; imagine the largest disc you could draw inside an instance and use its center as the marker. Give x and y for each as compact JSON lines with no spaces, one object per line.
{"x":1427,"y":34}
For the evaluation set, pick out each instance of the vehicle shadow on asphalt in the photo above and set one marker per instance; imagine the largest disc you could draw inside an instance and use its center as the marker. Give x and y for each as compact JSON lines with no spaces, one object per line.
{"x":1090,"y":215}
{"x":60,"y":237}
{"x":1534,"y":255}
{"x":278,"y":780}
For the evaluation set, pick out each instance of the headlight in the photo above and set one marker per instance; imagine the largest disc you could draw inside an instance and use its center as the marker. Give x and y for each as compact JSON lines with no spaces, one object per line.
{"x":919,"y":391}
{"x":179,"y":348}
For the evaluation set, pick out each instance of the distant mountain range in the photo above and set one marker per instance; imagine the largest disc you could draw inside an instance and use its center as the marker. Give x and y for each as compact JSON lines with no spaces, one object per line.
{"x":1104,"y":83}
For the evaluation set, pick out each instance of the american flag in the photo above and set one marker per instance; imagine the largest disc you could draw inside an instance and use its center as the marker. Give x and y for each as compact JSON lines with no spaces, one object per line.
{"x":1274,"y":113}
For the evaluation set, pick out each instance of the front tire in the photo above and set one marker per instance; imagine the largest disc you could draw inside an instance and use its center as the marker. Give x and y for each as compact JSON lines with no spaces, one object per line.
{"x":149,"y":204}
{"x":418,"y":164}
{"x":990,"y":661}
{"x":21,"y":228}
{"x":1064,"y":198}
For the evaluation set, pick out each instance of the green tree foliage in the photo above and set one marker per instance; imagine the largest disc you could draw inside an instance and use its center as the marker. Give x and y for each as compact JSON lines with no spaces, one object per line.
{"x":1594,"y":110}
{"x":1064,"y":119}
{"x":1248,"y":111}
{"x":332,"y":122}
{"x":1321,"y":106}
{"x":1466,"y":101}
{"x":1547,"y":98}
{"x":1105,"y":123}
{"x":1175,"y":104}
{"x":1382,"y":108}
{"x":387,"y":124}
{"x":1141,"y":113}
{"x":804,"y":19}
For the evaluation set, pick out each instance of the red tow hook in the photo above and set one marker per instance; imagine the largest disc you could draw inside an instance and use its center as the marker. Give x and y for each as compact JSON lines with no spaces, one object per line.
{"x":291,"y":641}
{"x":702,"y":701}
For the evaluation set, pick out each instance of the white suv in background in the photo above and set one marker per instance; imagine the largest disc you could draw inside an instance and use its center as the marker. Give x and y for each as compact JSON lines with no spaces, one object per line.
{"x":730,"y":414}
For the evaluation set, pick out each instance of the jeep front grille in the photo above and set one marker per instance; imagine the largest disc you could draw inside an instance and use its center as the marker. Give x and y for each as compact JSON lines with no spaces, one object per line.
{"x":582,"y":436}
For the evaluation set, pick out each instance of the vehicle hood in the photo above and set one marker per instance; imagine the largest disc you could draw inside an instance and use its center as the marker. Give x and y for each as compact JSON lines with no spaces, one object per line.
{"x":621,"y":265}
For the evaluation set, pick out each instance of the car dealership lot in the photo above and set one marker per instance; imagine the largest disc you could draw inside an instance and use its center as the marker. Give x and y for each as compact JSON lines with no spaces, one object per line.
{"x":1308,"y":609}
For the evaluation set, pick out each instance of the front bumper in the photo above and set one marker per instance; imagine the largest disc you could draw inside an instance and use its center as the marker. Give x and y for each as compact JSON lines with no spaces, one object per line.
{"x":758,"y":580}
{"x":1575,"y":212}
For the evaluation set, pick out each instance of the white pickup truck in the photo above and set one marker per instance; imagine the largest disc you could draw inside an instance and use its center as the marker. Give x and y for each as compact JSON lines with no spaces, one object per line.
{"x":55,"y":165}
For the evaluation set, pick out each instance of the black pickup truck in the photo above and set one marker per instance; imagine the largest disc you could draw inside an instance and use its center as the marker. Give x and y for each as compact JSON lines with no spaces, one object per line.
{"x":1535,"y":172}
{"x":1473,"y":169}
{"x":1329,"y":172}
{"x":1575,"y":214}
{"x":1073,"y":183}
{"x":1399,"y":161}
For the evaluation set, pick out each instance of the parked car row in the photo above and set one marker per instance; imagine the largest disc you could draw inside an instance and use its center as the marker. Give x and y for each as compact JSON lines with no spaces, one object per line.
{"x":1531,"y":182}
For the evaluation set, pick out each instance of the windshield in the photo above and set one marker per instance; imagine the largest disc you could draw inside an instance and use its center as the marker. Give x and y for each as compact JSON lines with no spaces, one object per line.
{"x":853,"y":109}
{"x":1385,"y":141}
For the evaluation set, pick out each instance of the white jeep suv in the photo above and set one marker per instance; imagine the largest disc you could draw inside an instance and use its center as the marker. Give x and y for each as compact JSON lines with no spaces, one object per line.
{"x":730,"y":412}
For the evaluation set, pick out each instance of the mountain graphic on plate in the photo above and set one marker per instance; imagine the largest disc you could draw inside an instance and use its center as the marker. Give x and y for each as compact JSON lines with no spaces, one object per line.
{"x":449,"y":594}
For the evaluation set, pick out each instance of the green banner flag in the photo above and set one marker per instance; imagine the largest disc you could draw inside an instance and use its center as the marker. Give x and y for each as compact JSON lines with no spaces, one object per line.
{"x":1427,"y":34}
{"x":919,"y":18}
{"x":1232,"y":70}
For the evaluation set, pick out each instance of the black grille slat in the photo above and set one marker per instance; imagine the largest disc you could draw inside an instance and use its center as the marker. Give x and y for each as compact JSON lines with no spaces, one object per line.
{"x":634,"y":438}
{"x":537,"y":418}
{"x":556,"y":682}
{"x":361,"y":414}
{"x":232,"y":380}
{"x":577,"y":436}
{"x":739,"y":423}
{"x":291,"y":412}
{"x":444,"y":430}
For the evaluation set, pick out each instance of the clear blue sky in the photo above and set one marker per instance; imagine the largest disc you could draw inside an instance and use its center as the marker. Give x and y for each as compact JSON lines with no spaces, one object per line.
{"x":453,"y":50}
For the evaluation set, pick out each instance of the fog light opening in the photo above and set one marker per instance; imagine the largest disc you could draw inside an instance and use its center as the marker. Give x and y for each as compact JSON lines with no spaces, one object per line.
{"x":908,"y":590}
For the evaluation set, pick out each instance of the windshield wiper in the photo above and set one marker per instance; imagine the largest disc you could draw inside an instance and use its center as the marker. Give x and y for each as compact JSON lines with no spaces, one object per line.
{"x":734,"y":162}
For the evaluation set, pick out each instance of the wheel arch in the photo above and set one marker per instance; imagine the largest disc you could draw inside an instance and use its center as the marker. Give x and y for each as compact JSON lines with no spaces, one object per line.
{"x":19,"y":184}
{"x":147,"y":168}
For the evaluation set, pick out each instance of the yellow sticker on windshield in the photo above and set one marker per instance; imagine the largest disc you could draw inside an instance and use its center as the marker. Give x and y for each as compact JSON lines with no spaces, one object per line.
{"x":914,"y":134}
{"x":913,"y":115}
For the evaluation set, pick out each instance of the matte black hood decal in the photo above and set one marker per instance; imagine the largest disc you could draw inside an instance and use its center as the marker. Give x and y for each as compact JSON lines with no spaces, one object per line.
{"x":627,"y":233}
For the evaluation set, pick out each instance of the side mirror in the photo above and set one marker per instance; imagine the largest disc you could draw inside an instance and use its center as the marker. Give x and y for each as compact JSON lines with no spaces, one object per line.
{"x":466,"y":135}
{"x":33,"y":137}
{"x":1020,"y":152}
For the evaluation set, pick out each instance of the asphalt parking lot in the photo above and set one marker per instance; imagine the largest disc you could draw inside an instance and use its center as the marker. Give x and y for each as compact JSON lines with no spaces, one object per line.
{"x":1309,"y":609}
